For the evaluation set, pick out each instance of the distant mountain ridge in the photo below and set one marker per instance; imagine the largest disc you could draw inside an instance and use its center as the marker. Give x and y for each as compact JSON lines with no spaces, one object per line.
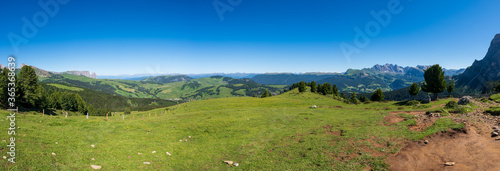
{"x":168,"y":79}
{"x":483,"y":71}
{"x":409,"y":71}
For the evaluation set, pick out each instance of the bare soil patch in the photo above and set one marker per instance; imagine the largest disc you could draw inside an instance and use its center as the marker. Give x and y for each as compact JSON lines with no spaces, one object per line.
{"x":471,"y":148}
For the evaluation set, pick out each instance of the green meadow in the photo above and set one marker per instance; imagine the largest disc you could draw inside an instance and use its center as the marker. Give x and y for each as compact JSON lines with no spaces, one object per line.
{"x":275,"y":133}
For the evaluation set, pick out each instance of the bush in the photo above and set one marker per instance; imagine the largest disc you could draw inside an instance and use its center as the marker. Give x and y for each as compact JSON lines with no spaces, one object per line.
{"x":495,"y":111}
{"x":485,"y":100}
{"x":461,"y":110}
{"x":412,"y":103}
{"x":451,"y":105}
{"x":127,"y":111}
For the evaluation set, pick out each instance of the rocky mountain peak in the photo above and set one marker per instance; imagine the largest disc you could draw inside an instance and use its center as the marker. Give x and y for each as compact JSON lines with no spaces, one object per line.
{"x":483,"y":71}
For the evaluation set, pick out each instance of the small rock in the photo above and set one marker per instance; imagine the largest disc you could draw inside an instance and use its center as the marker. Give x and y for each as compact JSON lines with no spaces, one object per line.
{"x":53,"y":154}
{"x":146,"y":163}
{"x":95,"y":167}
{"x":313,"y":106}
{"x":92,"y":145}
{"x":495,"y":127}
{"x":92,"y":159}
{"x":4,"y":157}
{"x":236,"y":164}
{"x":139,"y":153}
{"x":465,"y":100}
{"x":426,"y":142}
{"x":153,"y":152}
{"x":449,"y":163}
{"x":169,"y":154}
{"x":228,"y":162}
{"x":189,"y":136}
{"x":180,"y":140}
{"x":494,"y":134}
{"x":497,"y":139}
{"x":56,"y":143}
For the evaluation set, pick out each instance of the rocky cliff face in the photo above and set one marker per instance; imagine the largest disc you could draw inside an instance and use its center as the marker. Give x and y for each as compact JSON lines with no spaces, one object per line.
{"x":417,"y":71}
{"x":82,"y":73}
{"x":483,"y":71}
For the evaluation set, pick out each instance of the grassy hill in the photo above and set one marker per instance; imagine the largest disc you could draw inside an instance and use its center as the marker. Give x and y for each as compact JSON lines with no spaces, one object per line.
{"x":200,"y":88}
{"x":276,"y":133}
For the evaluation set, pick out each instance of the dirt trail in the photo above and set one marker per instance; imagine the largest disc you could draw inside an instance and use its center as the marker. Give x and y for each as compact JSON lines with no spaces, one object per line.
{"x":473,"y":148}
{"x":470,"y":151}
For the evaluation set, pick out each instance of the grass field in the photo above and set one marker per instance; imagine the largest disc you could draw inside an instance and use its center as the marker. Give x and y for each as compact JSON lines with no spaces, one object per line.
{"x":66,"y":87}
{"x":277,"y":133}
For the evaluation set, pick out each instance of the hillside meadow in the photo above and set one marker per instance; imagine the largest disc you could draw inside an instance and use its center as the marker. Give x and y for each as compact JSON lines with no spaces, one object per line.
{"x":276,"y":133}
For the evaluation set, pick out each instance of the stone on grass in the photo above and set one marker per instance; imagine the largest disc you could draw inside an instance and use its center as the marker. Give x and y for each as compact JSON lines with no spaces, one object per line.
{"x":236,"y":164}
{"x":169,"y":154}
{"x":139,"y":153}
{"x":465,"y":100}
{"x":4,"y":157}
{"x":92,"y":145}
{"x":313,"y":106}
{"x":449,"y":163}
{"x":189,"y":136}
{"x":92,"y":159}
{"x":95,"y":167}
{"x":153,"y":152}
{"x":56,"y":143}
{"x":53,"y":154}
{"x":146,"y":163}
{"x":229,"y":162}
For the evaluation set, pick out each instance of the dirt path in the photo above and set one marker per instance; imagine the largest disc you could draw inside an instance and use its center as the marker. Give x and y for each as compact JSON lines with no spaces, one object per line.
{"x":473,"y":148}
{"x":470,"y":151}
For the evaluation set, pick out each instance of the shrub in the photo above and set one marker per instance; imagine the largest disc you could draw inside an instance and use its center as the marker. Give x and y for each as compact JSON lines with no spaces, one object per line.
{"x":127,"y":111}
{"x":461,"y":110}
{"x":485,"y":100}
{"x":412,"y":103}
{"x":495,"y":111}
{"x":451,"y":105}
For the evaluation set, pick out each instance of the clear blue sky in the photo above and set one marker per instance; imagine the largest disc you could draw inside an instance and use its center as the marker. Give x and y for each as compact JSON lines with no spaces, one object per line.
{"x":188,"y":36}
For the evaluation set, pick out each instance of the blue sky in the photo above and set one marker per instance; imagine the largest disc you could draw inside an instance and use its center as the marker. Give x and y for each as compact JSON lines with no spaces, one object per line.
{"x":188,"y":36}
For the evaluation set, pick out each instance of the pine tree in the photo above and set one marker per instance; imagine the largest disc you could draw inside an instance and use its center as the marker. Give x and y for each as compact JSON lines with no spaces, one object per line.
{"x":264,"y":95}
{"x":320,"y":89}
{"x":302,"y":86}
{"x":4,"y":80}
{"x":342,"y":95}
{"x":451,"y":87}
{"x":26,"y":87}
{"x":354,"y":99}
{"x":335,"y":90}
{"x":313,"y":86}
{"x":497,"y":88}
{"x":434,"y":80}
{"x":378,"y":95}
{"x":414,"y":89}
{"x":327,"y":89}
{"x":363,"y":98}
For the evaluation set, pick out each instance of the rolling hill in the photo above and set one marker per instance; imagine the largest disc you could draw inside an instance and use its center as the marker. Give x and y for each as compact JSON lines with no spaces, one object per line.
{"x":167,"y":87}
